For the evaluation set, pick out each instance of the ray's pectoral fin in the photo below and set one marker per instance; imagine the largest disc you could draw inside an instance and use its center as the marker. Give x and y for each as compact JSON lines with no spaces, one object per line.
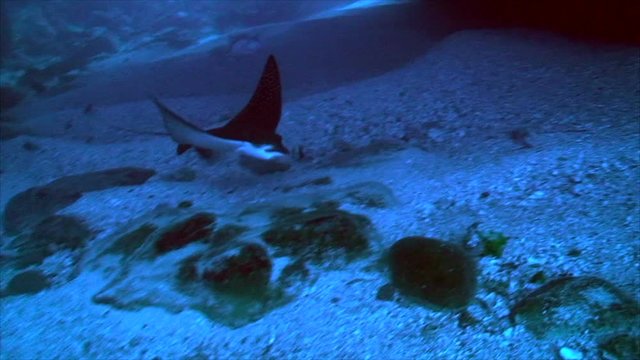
{"x":180,"y":130}
{"x":205,"y":153}
{"x":187,"y":134}
{"x":258,"y":120}
{"x":182,"y":148}
{"x":252,"y":133}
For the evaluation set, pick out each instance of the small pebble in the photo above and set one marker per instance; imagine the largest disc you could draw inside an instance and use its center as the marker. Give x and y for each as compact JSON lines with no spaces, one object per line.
{"x":535,"y":261}
{"x":538,"y":195}
{"x":570,"y":354}
{"x":575,"y":179}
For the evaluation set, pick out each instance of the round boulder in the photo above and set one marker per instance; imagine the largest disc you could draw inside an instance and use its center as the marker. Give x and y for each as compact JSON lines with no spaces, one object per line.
{"x":429,"y":269}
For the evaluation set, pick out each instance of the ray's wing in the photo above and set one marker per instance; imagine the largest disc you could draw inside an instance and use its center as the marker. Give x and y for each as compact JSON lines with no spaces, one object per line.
{"x":175,"y":124}
{"x":187,"y":134}
{"x":258,"y":121}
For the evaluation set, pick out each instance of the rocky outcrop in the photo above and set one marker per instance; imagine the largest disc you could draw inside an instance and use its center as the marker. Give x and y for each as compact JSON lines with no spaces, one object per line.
{"x":33,"y":205}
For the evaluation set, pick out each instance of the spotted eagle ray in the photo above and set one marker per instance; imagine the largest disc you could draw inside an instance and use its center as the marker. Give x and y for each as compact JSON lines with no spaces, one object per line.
{"x":251,"y":133}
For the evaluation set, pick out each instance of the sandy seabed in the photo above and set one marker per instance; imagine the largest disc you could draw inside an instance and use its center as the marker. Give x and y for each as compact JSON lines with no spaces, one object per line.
{"x":436,"y":133}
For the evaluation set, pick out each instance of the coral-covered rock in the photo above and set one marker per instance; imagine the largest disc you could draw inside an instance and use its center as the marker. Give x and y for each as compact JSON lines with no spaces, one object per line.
{"x":103,"y":179}
{"x":173,"y":258}
{"x":64,"y":231}
{"x":132,"y":240}
{"x":620,"y":347}
{"x":197,"y":227}
{"x":575,"y":305}
{"x":33,"y":205}
{"x":57,"y":232}
{"x":241,"y":270}
{"x":318,"y":234}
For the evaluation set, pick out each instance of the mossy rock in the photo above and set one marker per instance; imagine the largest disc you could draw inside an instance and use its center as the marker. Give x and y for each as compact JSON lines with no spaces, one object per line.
{"x":64,"y":231}
{"x":28,"y":208}
{"x":572,"y":305}
{"x":621,"y":347}
{"x":128,"y":243}
{"x":56,"y":232}
{"x":294,"y":273}
{"x":441,"y":273}
{"x":195,"y":228}
{"x":227,"y":233}
{"x":27,"y":283}
{"x":318,"y":233}
{"x":244,"y":270}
